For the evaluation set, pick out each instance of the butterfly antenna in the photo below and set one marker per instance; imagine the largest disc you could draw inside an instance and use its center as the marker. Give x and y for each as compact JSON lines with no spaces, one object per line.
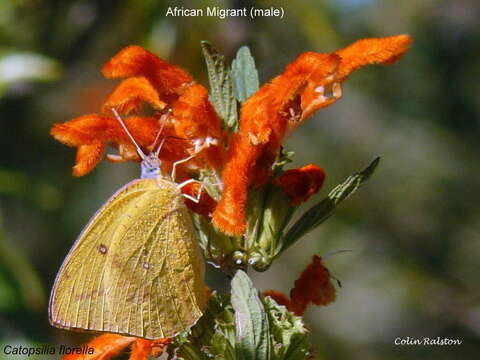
{"x":139,"y":151}
{"x":158,"y":136}
{"x":326,"y":256}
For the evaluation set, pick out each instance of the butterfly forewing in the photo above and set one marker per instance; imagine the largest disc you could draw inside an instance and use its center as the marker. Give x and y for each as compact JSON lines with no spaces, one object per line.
{"x":136,"y":269}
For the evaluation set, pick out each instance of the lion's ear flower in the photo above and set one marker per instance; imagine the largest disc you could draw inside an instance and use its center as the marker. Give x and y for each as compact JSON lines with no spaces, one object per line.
{"x":104,"y":347}
{"x":300,"y":184}
{"x":130,"y":96}
{"x":309,"y":83}
{"x":108,"y":346}
{"x":132,"y":61}
{"x":363,"y":52}
{"x":91,"y":133}
{"x":314,"y":286}
{"x":181,"y":107}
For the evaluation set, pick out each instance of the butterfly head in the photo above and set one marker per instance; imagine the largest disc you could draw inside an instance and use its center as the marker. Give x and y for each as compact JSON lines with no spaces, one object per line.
{"x":150,"y":167}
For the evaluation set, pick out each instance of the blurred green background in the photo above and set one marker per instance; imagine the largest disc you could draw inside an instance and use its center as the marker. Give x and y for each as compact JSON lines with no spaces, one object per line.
{"x":414,"y":228}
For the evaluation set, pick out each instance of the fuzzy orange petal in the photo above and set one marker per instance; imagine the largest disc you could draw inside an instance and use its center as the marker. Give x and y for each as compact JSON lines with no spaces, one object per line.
{"x":141,"y":349}
{"x":131,"y":94}
{"x":300,"y":184}
{"x":229,"y":216}
{"x":79,"y":131}
{"x":313,"y":286}
{"x":105,"y":347}
{"x":158,"y":346}
{"x":372,"y":51}
{"x":88,"y":156}
{"x":131,"y":61}
{"x":196,"y":120}
{"x":169,"y":80}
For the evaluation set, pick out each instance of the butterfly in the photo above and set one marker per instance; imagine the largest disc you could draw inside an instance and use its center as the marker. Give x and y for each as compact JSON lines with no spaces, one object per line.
{"x":136,"y":268}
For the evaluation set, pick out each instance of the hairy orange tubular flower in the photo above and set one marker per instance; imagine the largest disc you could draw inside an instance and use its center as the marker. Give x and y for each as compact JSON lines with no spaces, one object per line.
{"x":193,"y":115}
{"x":91,"y":133}
{"x":108,"y":346}
{"x":104,"y":347}
{"x":130,"y":95}
{"x":300,"y":184}
{"x":314,"y":286}
{"x":182,"y":106}
{"x":309,"y":83}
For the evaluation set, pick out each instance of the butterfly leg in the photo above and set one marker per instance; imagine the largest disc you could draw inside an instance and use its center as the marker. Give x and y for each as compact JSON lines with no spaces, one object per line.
{"x":199,"y":194}
{"x":174,"y":167}
{"x":199,"y":147}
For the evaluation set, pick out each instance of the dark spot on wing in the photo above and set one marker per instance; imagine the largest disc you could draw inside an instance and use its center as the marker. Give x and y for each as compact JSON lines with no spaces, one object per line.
{"x":103,"y":249}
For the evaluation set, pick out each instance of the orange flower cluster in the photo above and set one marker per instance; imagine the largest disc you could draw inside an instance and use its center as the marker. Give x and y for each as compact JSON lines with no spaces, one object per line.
{"x":180,"y":106}
{"x":182,"y":109}
{"x":109,"y":346}
{"x":311,"y":82}
{"x":314,"y":286}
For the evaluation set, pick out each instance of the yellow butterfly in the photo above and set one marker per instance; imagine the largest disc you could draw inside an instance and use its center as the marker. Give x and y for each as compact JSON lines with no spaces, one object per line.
{"x":136,"y":268}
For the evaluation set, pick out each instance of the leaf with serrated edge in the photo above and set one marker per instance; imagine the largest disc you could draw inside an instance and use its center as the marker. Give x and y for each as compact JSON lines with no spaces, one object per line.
{"x":221,"y":87}
{"x":253,"y":333}
{"x":244,"y":74}
{"x":288,"y":333}
{"x":325,"y":208}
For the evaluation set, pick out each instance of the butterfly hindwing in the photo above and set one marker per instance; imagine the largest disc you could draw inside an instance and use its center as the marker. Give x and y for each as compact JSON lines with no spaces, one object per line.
{"x":136,"y":269}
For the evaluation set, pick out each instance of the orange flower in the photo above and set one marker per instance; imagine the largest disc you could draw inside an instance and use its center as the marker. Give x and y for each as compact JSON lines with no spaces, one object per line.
{"x":108,"y":346}
{"x":300,"y":184}
{"x":181,"y":106}
{"x":104,"y":347}
{"x":205,"y":206}
{"x":309,"y":83}
{"x":314,"y":286}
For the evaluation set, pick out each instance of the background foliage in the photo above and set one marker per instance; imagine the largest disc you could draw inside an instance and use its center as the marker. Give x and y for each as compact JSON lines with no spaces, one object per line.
{"x":413,"y":229}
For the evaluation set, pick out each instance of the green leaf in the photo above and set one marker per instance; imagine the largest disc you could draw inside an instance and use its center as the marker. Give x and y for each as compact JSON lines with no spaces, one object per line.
{"x":324,"y":209}
{"x":221,"y":87}
{"x":244,"y":74}
{"x":213,"y":337}
{"x":253,"y":333}
{"x":289,"y":335}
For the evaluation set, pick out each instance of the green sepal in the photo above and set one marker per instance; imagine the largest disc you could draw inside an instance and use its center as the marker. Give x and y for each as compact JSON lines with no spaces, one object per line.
{"x":252,"y":329}
{"x":221,"y":86}
{"x":325,"y":208}
{"x":244,"y":74}
{"x":269,"y":212}
{"x":218,"y":248}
